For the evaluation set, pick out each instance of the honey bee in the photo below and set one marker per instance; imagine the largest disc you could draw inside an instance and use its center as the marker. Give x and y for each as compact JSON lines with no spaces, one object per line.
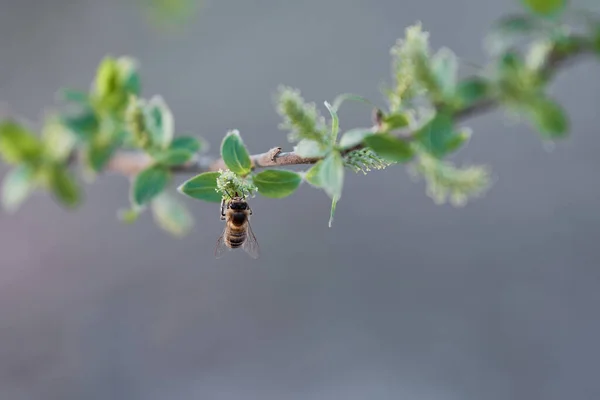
{"x":238,"y":232}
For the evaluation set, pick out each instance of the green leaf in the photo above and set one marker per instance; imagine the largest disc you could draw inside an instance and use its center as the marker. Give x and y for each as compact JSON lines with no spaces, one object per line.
{"x":107,"y":78}
{"x":312,"y":176}
{"x":99,"y":152}
{"x":331,"y":174}
{"x":337,"y":102}
{"x":510,"y":63}
{"x":437,"y":134}
{"x":18,"y":144}
{"x":188,"y":143}
{"x":234,"y":153}
{"x":148,"y":184}
{"x":335,"y":123}
{"x":17,"y":185}
{"x":171,"y":215}
{"x":173,"y":157}
{"x":545,"y":8}
{"x":444,"y":66}
{"x":129,"y":216}
{"x":549,"y":118}
{"x":334,"y":202}
{"x":458,"y":140}
{"x":58,"y":141}
{"x":470,"y":91}
{"x":394,"y":121}
{"x":277,"y":183}
{"x":309,"y":148}
{"x":83,"y":124}
{"x":354,"y":137}
{"x":202,"y":187}
{"x":129,"y":75}
{"x":64,"y":186}
{"x":389,"y":147}
{"x":160,"y":122}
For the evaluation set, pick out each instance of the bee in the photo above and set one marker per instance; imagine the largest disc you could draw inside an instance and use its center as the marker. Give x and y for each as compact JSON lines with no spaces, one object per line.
{"x":238,"y":232}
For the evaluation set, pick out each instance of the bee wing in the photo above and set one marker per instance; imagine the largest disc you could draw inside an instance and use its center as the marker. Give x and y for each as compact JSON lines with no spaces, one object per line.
{"x":220,"y":248}
{"x":250,"y":245}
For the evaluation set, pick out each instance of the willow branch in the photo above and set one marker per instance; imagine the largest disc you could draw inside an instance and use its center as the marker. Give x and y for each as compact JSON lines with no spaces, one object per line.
{"x":130,"y":163}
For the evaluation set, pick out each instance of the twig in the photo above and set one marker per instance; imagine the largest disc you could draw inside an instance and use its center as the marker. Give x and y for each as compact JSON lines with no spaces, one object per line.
{"x":130,"y":163}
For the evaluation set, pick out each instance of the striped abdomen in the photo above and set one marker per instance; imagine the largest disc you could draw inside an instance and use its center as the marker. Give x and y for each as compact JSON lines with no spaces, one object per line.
{"x":235,"y":234}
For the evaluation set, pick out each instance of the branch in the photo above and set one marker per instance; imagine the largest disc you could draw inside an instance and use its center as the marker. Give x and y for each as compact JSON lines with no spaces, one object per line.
{"x":130,"y":163}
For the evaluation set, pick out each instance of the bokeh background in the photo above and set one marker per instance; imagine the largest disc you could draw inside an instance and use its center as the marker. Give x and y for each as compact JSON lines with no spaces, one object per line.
{"x":401,"y":299}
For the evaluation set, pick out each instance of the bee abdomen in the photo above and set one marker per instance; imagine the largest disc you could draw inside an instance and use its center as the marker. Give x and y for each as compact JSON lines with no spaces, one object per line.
{"x":236,"y":238}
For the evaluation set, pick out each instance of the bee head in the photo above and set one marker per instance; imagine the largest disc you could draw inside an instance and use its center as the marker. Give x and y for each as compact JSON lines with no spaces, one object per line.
{"x":238,"y":204}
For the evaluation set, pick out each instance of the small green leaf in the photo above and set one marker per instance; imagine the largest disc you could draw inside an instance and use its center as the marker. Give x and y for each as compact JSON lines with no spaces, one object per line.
{"x":389,"y":147}
{"x":437,"y":134}
{"x":107,"y":78}
{"x":58,"y":141}
{"x":234,"y":153}
{"x":188,"y":143}
{"x":312,"y":176}
{"x":202,"y":187}
{"x":458,"y":140}
{"x":309,"y":148}
{"x":129,"y":75}
{"x":102,"y":146}
{"x":171,"y":215}
{"x":334,"y":202}
{"x":444,"y":66}
{"x":130,"y":215}
{"x":160,"y":122}
{"x":83,"y":124}
{"x":394,"y":121}
{"x":511,"y":62}
{"x":470,"y":91}
{"x":331,"y":174}
{"x":277,"y":183}
{"x":148,"y":184}
{"x":18,"y":144}
{"x":549,"y":118}
{"x":335,"y":123}
{"x":99,"y":153}
{"x":354,"y":137}
{"x":64,"y":186}
{"x":17,"y":186}
{"x":173,"y":157}
{"x":545,"y":8}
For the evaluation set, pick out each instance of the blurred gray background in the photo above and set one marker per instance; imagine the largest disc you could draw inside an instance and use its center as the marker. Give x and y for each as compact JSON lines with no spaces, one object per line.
{"x":401,"y":299}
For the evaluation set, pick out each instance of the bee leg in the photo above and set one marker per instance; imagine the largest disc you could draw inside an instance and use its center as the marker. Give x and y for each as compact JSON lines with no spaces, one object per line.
{"x":222,"y":210}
